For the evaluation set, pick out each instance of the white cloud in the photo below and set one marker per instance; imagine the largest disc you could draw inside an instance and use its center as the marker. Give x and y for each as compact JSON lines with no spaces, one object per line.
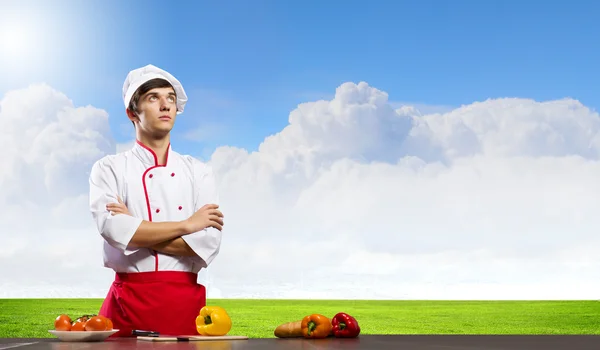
{"x":491,"y":200}
{"x":433,"y":204}
{"x":122,"y":147}
{"x":421,"y":108}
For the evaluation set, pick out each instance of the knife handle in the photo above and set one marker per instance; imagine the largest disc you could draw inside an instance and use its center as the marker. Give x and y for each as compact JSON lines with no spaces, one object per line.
{"x":144,"y":333}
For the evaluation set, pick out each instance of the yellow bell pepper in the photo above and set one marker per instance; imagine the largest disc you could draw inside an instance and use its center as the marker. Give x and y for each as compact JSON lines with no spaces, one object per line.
{"x":213,"y":320}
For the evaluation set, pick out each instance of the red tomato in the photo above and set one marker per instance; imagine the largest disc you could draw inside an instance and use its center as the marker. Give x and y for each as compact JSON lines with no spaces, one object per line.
{"x":98,"y":323}
{"x":62,"y":323}
{"x":78,"y":326}
{"x":109,"y":324}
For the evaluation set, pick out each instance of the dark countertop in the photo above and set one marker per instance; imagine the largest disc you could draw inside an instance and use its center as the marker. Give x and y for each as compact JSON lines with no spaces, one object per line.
{"x":381,"y":342}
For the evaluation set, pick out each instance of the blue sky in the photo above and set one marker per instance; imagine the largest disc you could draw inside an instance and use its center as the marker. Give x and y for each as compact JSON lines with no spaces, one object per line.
{"x":514,"y":174}
{"x":247,"y":64}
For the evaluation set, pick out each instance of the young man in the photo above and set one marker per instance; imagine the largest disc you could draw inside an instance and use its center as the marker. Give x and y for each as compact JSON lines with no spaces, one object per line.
{"x":157,"y":211}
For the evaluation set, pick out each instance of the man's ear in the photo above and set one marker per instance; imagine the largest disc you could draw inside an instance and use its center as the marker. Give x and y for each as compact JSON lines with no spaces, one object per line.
{"x":131,"y":115}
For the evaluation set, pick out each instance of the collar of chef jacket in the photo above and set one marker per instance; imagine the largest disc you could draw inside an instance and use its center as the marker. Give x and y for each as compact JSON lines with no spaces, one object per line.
{"x":147,"y":155}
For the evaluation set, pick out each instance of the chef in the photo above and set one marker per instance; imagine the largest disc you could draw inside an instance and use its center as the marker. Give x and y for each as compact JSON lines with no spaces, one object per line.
{"x":157,"y":212}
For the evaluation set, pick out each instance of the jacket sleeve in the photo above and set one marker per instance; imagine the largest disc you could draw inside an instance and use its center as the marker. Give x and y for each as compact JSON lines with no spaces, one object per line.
{"x":118,"y":229}
{"x":206,"y":243}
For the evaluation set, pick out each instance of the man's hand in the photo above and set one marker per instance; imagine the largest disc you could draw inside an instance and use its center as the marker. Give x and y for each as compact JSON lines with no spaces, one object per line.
{"x":207,"y":216}
{"x":118,"y":208}
{"x":176,"y":246}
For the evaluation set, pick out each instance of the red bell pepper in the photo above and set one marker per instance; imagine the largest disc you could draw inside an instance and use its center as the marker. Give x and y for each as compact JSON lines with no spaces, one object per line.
{"x":345,"y":326}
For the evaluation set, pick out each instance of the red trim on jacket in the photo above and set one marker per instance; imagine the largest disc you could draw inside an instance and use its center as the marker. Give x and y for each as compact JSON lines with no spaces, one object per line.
{"x":156,"y":165}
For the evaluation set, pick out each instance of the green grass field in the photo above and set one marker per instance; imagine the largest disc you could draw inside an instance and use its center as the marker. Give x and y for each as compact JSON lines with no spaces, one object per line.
{"x":21,"y":318}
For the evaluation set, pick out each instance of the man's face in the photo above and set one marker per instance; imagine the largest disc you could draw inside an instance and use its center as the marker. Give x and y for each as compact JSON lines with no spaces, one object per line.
{"x":157,"y":111}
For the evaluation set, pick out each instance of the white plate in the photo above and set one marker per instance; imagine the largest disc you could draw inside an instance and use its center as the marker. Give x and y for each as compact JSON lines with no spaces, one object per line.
{"x":83,"y":335}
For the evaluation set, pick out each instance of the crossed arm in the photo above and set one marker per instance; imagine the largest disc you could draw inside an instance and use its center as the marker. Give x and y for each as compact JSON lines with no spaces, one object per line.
{"x":175,"y":246}
{"x":198,"y":237}
{"x":172,"y":246}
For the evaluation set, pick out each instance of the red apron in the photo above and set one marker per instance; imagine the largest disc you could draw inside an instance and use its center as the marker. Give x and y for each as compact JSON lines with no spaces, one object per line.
{"x":167,"y":302}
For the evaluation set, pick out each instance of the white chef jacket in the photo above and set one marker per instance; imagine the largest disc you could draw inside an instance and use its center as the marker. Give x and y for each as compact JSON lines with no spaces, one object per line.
{"x":152,"y":192}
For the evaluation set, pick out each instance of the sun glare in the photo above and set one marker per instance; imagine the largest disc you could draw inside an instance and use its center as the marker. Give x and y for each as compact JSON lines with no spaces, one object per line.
{"x":36,"y":35}
{"x":16,"y":41}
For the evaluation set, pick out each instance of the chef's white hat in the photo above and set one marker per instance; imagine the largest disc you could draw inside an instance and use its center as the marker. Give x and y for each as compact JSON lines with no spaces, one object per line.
{"x":139,"y":76}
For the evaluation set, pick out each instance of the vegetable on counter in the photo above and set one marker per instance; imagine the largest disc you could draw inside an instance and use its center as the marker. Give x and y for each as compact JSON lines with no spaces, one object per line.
{"x":289,"y":330}
{"x":316,"y":326}
{"x":89,"y":323}
{"x":345,"y":326}
{"x":98,"y":323}
{"x":213,"y":320}
{"x":63,"y":323}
